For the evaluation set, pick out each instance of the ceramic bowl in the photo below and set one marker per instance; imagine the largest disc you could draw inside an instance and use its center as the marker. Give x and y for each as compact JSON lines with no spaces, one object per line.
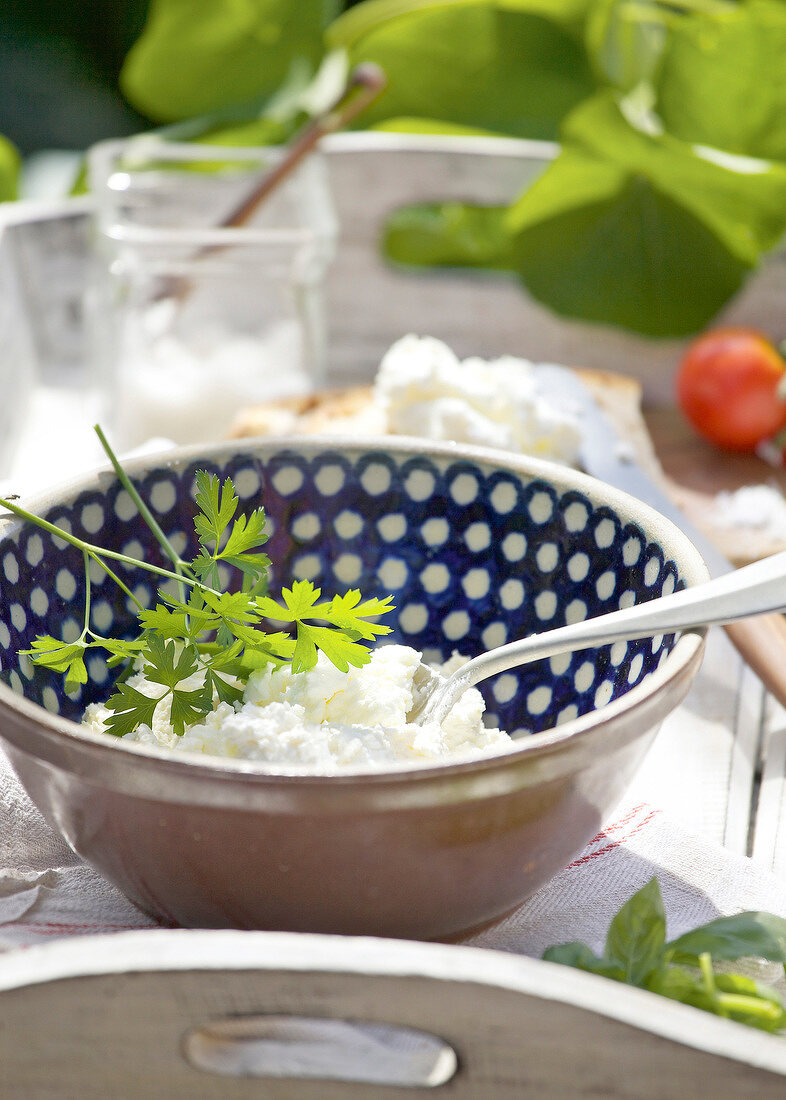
{"x":477,"y":549}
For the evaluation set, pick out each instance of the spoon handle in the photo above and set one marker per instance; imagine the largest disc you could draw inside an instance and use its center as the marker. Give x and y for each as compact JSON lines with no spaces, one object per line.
{"x":753,"y":590}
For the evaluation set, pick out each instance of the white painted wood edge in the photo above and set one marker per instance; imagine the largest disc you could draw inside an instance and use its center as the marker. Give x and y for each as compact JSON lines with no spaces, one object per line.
{"x":353,"y":142}
{"x":767,"y":839}
{"x":210,"y":951}
{"x":382,"y":141}
{"x":748,"y":722}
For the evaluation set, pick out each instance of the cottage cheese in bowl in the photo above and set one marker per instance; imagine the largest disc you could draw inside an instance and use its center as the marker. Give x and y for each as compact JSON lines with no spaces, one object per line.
{"x":325,"y":719}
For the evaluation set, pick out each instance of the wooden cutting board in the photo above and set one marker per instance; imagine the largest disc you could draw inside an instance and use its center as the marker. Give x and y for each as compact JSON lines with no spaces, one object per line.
{"x":696,"y":472}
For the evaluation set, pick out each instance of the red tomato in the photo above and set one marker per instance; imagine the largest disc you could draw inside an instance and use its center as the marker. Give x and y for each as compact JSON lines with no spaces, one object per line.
{"x":727,"y":386}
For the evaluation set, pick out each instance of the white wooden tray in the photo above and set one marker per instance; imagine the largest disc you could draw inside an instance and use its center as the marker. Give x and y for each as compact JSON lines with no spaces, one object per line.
{"x":241,"y":1014}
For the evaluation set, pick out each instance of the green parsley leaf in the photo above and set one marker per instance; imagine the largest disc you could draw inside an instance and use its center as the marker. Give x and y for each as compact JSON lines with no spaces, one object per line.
{"x":64,"y":657}
{"x":52,"y":653}
{"x":346,"y":619}
{"x":164,"y":665}
{"x":216,"y":507}
{"x":188,"y":707}
{"x":131,"y":708}
{"x":237,"y":546}
{"x":348,"y":613}
{"x":272,"y":647}
{"x":299,"y":602}
{"x":246,"y":535}
{"x":334,"y":644}
{"x":225,"y":690}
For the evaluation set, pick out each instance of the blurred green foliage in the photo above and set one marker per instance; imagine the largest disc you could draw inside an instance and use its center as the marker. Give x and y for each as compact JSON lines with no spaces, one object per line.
{"x":196,"y":56}
{"x":670,"y":181}
{"x":669,"y":186}
{"x":505,"y":68}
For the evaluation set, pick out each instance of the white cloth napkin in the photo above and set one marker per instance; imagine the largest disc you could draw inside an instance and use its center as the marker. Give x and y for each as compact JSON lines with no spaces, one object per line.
{"x":699,"y":882}
{"x":45,"y":889}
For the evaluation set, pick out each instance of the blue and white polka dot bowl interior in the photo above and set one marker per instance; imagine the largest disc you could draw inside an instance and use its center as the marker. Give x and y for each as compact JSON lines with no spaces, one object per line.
{"x":473,"y":554}
{"x":476,"y":549}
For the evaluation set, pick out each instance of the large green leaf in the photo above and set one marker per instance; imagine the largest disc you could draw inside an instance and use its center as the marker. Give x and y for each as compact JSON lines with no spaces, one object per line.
{"x":637,"y":260}
{"x":743,"y":202}
{"x":722,"y":79}
{"x":503,"y":66}
{"x":196,"y":56}
{"x":631,"y":229}
{"x":9,"y":170}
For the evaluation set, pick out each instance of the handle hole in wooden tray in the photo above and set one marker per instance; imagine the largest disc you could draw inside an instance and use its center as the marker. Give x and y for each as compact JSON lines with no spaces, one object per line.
{"x":313,"y":1047}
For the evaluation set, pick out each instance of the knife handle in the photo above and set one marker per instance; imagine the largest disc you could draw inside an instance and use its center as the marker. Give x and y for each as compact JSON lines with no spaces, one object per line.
{"x":762,"y":644}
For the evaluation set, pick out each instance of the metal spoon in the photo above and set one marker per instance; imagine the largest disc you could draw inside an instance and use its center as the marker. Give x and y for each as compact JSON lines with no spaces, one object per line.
{"x":756,"y":589}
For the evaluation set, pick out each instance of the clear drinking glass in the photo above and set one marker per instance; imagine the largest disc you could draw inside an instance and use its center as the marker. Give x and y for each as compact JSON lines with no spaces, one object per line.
{"x":193,"y":318}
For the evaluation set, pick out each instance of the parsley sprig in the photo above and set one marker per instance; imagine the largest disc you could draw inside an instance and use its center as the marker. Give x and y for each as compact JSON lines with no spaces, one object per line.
{"x":204,"y":636}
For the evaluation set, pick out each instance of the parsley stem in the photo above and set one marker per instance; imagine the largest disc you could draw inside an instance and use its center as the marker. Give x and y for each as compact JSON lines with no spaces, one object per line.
{"x":144,"y":511}
{"x":88,"y":587}
{"x":120,"y":584}
{"x":95,"y":551}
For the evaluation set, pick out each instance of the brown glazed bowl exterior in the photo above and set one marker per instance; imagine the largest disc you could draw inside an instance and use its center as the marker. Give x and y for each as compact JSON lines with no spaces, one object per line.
{"x":426,"y":852}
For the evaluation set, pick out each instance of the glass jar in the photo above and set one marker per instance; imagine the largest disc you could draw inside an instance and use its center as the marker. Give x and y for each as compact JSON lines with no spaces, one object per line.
{"x":202,"y":302}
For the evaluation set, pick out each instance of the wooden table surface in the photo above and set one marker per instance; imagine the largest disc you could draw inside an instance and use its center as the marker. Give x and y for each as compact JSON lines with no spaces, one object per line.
{"x":696,"y":464}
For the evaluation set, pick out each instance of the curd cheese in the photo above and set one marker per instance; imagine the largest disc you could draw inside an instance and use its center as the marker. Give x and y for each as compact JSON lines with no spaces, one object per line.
{"x":324,"y":719}
{"x":758,"y":506}
{"x":423,"y":389}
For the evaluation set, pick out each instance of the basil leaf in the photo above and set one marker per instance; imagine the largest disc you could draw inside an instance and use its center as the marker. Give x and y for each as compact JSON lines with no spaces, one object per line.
{"x":197,"y":56}
{"x":581,"y":957}
{"x":742,"y":203}
{"x":734,"y":996}
{"x":751,"y":934}
{"x":637,"y":934}
{"x":505,"y":66}
{"x":679,"y":985}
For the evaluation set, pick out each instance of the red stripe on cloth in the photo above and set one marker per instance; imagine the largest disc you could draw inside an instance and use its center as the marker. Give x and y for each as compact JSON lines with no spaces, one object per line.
{"x":613,"y":844}
{"x":613,"y":826}
{"x":53,"y":927}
